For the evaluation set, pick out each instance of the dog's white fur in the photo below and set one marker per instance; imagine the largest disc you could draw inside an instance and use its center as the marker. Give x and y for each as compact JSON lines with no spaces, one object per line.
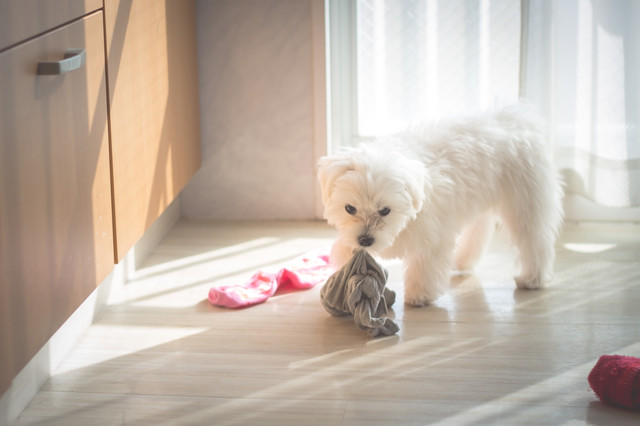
{"x":442,"y":184}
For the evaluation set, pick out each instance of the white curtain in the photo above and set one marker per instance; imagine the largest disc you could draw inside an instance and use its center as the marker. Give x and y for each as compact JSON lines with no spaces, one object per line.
{"x":426,"y":58}
{"x":583,"y":71}
{"x":577,"y":60}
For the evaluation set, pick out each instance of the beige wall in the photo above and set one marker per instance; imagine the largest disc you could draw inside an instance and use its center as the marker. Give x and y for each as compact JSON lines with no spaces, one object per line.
{"x":262,"y":99}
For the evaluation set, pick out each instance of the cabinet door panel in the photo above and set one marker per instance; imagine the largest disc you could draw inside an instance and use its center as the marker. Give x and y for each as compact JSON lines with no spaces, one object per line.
{"x":153,"y":90}
{"x":56,"y":240}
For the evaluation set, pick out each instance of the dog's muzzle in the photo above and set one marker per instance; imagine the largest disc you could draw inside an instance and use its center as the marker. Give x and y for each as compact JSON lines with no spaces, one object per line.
{"x":365,"y":240}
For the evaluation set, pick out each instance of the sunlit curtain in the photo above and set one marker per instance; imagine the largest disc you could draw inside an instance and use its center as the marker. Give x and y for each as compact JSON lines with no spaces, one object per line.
{"x":427,"y":58}
{"x":583,"y":70}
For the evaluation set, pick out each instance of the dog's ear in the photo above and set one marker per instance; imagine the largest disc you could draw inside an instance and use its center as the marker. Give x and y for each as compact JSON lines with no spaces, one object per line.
{"x":417,"y":182}
{"x":330,"y":168}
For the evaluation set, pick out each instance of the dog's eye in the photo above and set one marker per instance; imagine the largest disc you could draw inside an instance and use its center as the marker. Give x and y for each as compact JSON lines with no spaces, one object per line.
{"x":350,"y":209}
{"x":385,"y":211}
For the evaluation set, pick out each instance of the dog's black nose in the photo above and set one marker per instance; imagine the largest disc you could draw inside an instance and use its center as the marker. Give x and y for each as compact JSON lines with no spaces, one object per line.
{"x":365,"y":240}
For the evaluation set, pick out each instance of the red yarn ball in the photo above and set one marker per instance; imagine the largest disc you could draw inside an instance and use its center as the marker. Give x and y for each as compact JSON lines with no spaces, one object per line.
{"x":616,"y":380}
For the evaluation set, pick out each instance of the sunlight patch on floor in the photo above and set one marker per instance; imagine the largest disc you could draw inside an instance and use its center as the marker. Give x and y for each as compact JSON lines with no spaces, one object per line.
{"x":588,"y":248}
{"x":138,"y":339}
{"x":185,"y":261}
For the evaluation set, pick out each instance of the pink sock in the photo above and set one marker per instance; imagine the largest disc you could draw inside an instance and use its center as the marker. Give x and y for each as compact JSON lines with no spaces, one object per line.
{"x":303,"y":272}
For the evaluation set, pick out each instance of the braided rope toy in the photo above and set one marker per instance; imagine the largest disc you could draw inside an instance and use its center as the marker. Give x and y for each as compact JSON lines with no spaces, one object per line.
{"x":359,"y":289}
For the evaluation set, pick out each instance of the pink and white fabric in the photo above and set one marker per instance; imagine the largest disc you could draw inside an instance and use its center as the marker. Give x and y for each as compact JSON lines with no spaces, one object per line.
{"x":303,"y":272}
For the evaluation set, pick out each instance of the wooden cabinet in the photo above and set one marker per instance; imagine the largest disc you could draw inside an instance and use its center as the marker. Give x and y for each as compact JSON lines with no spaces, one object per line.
{"x":56,"y":241}
{"x":88,"y":159}
{"x":153,"y":90}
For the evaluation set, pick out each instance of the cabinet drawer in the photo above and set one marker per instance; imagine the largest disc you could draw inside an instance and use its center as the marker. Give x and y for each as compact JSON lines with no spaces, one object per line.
{"x":21,"y":19}
{"x":56,"y":240}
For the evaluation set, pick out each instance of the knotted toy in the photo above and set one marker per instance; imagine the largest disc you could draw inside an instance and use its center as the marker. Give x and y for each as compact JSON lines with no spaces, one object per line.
{"x":358,"y":288}
{"x":616,"y":380}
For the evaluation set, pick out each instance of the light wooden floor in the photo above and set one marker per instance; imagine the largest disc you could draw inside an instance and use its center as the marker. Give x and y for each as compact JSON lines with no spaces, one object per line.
{"x":484,"y":354}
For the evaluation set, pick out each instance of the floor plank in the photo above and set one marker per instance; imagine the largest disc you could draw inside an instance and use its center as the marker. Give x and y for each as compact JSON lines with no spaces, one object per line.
{"x":485,"y":353}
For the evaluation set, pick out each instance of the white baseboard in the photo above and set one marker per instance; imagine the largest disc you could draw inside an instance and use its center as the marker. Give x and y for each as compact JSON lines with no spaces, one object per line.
{"x":580,"y":209}
{"x":37,"y":371}
{"x":28,"y":382}
{"x":156,"y":232}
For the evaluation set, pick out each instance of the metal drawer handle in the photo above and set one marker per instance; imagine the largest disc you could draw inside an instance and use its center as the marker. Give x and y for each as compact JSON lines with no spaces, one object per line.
{"x":74,"y":59}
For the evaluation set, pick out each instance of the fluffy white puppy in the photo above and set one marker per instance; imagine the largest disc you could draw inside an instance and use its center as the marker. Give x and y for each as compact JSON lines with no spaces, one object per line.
{"x":434,"y":191}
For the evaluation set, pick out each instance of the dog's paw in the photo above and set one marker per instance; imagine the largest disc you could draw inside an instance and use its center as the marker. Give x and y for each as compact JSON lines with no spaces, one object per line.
{"x":529,"y":283}
{"x":462,"y":267}
{"x":417,"y":301}
{"x":420,"y":294}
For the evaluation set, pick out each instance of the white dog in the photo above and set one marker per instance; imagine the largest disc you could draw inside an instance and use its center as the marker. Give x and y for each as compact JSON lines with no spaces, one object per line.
{"x":435,"y":190}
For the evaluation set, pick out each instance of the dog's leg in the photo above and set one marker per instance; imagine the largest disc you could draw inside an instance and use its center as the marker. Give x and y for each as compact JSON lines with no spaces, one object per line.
{"x":473,"y":242}
{"x":427,"y":276}
{"x":533,"y":223}
{"x":535,"y":255}
{"x":340,"y":254}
